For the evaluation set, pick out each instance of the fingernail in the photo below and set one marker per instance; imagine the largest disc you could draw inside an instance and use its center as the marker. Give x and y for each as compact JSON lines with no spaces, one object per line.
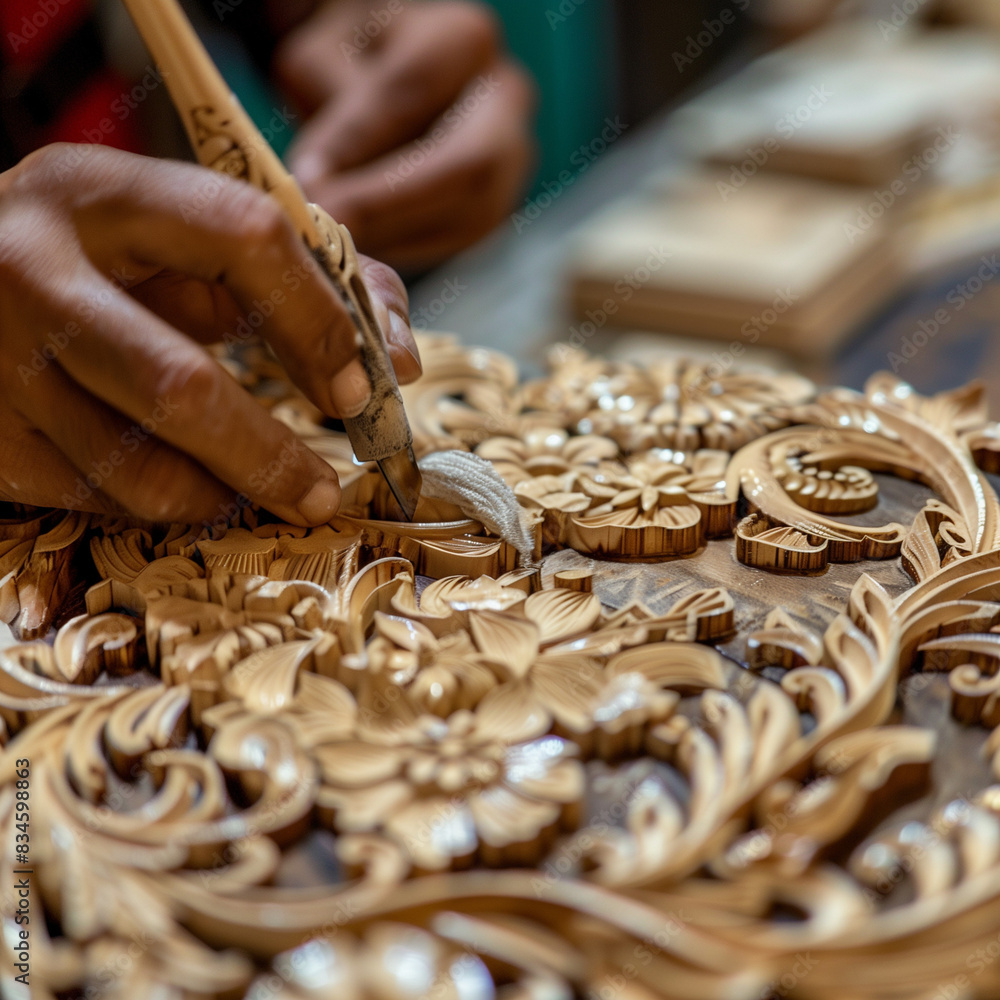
{"x":321,"y":503}
{"x":351,"y":389}
{"x":399,"y":331}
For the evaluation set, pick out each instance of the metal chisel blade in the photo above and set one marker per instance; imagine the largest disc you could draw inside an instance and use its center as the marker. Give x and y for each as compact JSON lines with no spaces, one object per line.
{"x":401,"y":473}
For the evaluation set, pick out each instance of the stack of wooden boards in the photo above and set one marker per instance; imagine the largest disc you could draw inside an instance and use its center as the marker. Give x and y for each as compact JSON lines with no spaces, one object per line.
{"x":789,"y":227}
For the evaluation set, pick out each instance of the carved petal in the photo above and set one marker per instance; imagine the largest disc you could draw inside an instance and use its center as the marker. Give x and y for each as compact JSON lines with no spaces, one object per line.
{"x":506,"y":820}
{"x":510,"y":714}
{"x":435,"y":832}
{"x":363,"y":808}
{"x":560,"y":614}
{"x":358,"y":765}
{"x":122,"y":556}
{"x":706,"y":615}
{"x":462,"y":594}
{"x":684,"y":667}
{"x":238,"y":551}
{"x":545,"y":770}
{"x":510,"y":642}
{"x":404,"y":633}
{"x":667,"y":532}
{"x":266,"y":680}
{"x":568,"y":685}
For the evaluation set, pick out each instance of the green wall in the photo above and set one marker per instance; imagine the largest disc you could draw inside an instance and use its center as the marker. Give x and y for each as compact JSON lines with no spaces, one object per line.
{"x":568,"y":45}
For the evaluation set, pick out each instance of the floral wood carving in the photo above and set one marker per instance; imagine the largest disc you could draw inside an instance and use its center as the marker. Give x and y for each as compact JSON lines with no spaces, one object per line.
{"x":382,"y":759}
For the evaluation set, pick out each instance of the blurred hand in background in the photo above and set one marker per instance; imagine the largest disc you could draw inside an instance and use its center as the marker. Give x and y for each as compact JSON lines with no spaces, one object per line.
{"x":418,"y":135}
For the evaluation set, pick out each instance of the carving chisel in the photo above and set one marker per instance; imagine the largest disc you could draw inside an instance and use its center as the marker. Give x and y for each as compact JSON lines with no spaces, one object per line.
{"x":226,"y":139}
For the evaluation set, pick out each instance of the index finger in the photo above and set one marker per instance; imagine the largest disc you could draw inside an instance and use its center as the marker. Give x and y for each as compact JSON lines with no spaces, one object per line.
{"x":215,"y":228}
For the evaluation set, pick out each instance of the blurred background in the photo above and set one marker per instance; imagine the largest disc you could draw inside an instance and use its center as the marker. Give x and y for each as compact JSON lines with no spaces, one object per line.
{"x":811,"y":184}
{"x":814,"y":185}
{"x":803,"y":183}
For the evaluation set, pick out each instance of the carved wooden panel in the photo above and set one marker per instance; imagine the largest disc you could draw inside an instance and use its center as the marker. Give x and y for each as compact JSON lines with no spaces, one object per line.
{"x":736,"y":733}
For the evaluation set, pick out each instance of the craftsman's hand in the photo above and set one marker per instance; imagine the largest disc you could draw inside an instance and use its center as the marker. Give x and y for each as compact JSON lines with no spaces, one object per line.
{"x":112,"y":268}
{"x":419,"y":136}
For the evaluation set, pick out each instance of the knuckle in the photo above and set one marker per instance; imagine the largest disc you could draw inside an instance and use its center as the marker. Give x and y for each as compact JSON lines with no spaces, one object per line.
{"x":480,"y":27}
{"x":522,"y":90}
{"x":407,"y":89}
{"x":191,"y":387}
{"x":62,"y":171}
{"x":45,"y":162}
{"x":259,"y":220}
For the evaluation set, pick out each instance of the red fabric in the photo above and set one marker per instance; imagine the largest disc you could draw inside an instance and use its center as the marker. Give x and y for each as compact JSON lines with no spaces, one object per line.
{"x":33,"y":28}
{"x":99,"y":114}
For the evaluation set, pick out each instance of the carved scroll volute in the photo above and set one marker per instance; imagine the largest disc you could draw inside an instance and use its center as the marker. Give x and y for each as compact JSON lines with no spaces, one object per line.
{"x":783,"y":642}
{"x":889,"y":431}
{"x":820,"y":485}
{"x":779,"y":549}
{"x":971,"y":662}
{"x":85,"y":646}
{"x":752,"y":470}
{"x":936,"y":538}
